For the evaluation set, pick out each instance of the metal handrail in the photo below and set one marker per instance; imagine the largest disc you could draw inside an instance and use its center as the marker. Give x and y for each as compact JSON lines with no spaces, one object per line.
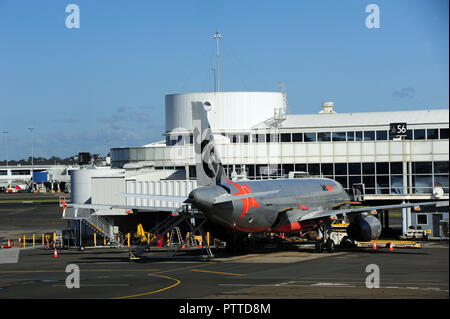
{"x":104,"y":227}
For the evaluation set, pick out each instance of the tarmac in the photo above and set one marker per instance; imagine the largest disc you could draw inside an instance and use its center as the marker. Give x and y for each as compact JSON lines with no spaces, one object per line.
{"x":288,"y":272}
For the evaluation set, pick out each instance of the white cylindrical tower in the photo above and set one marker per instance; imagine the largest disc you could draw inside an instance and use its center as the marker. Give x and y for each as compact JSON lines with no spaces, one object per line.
{"x":80,"y":183}
{"x":226,"y":110}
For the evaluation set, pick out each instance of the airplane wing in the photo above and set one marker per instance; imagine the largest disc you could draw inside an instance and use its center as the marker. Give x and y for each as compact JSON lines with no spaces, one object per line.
{"x":303,"y":215}
{"x":165,"y":198}
{"x":128,"y":207}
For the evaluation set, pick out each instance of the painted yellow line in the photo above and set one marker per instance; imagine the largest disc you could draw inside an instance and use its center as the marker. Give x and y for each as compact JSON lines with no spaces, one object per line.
{"x":60,"y":270}
{"x":217,"y":272}
{"x":156,"y":274}
{"x":177,"y":282}
{"x":183,"y":268}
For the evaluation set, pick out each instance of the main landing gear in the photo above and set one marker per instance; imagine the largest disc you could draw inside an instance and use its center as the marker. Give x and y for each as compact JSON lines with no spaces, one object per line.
{"x":326,"y":242}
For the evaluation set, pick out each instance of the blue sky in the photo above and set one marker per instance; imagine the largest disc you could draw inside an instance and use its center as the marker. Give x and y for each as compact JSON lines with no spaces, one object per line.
{"x":105,"y":82}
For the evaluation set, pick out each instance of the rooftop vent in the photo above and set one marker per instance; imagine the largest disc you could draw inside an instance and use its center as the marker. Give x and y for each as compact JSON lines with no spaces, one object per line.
{"x":327,"y":108}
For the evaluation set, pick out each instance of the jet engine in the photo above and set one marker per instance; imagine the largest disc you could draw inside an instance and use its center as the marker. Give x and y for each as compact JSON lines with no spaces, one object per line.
{"x":364,"y":229}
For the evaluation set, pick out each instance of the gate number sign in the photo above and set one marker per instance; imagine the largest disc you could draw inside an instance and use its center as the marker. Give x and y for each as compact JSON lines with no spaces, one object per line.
{"x":397,"y":129}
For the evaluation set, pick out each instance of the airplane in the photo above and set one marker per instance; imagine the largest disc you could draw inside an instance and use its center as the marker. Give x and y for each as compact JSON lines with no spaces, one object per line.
{"x":282,"y":205}
{"x":257,"y":206}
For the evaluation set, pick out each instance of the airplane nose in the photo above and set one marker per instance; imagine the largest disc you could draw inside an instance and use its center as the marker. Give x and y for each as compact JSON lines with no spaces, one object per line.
{"x":198,"y":199}
{"x":192,"y":197}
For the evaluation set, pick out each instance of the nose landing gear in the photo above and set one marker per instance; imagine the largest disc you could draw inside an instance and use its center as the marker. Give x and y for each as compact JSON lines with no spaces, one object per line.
{"x":326,"y":242}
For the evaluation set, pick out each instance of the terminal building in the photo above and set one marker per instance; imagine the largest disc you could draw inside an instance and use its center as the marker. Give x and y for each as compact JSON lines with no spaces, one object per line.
{"x":399,"y":156}
{"x":39,"y":177}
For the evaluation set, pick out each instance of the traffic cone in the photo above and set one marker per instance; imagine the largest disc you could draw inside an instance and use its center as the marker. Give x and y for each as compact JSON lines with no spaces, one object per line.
{"x":9,"y":244}
{"x":374,"y":246}
{"x":391,"y":246}
{"x":55,"y":254}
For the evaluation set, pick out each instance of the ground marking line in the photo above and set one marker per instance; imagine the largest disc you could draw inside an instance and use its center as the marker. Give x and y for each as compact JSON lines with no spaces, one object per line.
{"x":156,"y":274}
{"x":217,"y":272}
{"x":60,"y":270}
{"x":177,"y":282}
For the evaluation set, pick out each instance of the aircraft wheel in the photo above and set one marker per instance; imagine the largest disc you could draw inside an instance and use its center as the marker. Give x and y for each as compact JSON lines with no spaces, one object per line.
{"x":319,"y":246}
{"x":330,"y":246}
{"x":347,"y":242}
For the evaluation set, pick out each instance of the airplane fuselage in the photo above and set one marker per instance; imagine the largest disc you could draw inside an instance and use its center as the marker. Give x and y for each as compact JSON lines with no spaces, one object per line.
{"x":259,"y":214}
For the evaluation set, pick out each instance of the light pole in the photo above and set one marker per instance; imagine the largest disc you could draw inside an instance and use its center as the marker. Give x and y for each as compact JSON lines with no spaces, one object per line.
{"x":106,"y":149}
{"x":32,"y":149}
{"x":6,"y":146}
{"x":217,"y":36}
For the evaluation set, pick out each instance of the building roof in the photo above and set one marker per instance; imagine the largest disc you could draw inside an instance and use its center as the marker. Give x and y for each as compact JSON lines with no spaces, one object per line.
{"x":328,"y":120}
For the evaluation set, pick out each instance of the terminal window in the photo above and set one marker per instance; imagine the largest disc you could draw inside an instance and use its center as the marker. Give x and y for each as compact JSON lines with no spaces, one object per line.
{"x":20,"y":172}
{"x":432,"y":134}
{"x":419,"y":134}
{"x":285,"y":137}
{"x":381,"y":135}
{"x":339,"y":136}
{"x":297,"y":137}
{"x":358,"y":136}
{"x":324,"y":137}
{"x":309,"y":137}
{"x":369,"y":136}
{"x":350,"y":136}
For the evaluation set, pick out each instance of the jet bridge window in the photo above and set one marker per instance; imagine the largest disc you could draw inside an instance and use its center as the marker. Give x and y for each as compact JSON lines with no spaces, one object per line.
{"x":422,"y":219}
{"x":443,"y":133}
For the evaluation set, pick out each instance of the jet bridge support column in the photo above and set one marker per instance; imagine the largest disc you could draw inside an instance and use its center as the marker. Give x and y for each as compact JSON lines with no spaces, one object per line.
{"x":406,"y":219}
{"x":386,"y":218}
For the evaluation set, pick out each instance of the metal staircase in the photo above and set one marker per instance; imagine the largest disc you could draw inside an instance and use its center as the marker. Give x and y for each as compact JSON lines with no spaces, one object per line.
{"x":103,"y":228}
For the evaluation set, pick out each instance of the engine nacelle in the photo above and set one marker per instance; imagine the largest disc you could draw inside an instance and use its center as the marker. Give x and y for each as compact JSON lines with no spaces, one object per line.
{"x":365,"y":229}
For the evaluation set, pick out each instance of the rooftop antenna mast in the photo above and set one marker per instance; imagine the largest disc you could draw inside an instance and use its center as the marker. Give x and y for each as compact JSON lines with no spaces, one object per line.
{"x":217,"y":36}
{"x":283,"y":93}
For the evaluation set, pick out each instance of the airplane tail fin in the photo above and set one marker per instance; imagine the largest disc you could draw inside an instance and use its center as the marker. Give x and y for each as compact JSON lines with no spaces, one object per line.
{"x":207,"y":161}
